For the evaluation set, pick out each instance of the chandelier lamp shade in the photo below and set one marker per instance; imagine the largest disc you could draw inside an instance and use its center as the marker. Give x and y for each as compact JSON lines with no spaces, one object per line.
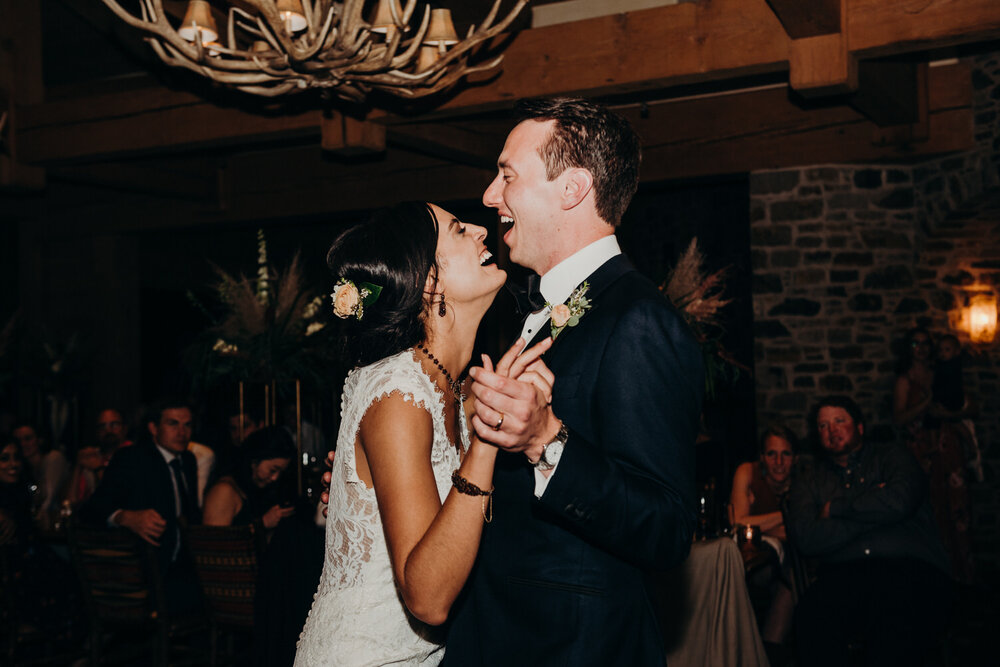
{"x":347,"y":48}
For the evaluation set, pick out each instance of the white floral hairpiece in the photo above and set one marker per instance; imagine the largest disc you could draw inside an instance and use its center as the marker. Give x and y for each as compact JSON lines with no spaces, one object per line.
{"x":350,"y":299}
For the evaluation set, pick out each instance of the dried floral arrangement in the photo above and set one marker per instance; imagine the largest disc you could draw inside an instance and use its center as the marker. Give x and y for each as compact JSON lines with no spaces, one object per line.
{"x":270,"y":328}
{"x":699,"y":297}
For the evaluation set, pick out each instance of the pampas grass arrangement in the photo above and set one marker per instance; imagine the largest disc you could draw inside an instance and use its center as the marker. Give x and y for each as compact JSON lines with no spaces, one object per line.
{"x":270,"y":328}
{"x":698,"y":295}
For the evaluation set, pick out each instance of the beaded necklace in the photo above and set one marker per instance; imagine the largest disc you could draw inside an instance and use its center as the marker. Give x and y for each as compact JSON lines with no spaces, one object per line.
{"x":453,"y":384}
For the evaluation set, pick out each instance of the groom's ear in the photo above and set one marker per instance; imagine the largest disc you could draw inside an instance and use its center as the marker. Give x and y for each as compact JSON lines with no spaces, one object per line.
{"x":577,"y":184}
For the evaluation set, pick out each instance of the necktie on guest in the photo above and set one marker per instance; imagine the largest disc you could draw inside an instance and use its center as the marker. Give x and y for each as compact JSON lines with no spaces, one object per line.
{"x":183,"y":504}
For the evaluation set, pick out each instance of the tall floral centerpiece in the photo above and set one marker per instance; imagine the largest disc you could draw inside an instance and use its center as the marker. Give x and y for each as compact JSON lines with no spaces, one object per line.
{"x":266,"y":329}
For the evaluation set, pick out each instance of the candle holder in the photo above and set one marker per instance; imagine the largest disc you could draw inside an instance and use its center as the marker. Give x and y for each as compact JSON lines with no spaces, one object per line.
{"x":748,"y":536}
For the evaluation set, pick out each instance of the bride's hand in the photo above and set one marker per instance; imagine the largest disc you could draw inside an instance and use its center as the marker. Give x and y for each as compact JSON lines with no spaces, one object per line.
{"x":528,"y":366}
{"x":525,"y":367}
{"x":514,"y":362}
{"x":538,"y":374}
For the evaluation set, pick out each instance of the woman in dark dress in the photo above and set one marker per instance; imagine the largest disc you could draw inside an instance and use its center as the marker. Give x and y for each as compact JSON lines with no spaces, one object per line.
{"x":759,"y":487}
{"x":932,"y":434}
{"x":249,"y":494}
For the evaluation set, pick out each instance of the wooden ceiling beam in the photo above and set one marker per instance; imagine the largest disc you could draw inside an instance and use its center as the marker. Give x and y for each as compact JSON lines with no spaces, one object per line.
{"x":20,"y":80}
{"x":892,"y":92}
{"x":183,"y":180}
{"x":821,"y":65}
{"x":349,"y":137}
{"x":765,"y":129}
{"x":626,"y":53}
{"x":721,"y":134}
{"x":450,"y":141}
{"x":807,"y":18}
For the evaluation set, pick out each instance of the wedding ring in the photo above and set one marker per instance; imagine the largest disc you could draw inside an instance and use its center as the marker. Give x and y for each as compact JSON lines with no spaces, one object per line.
{"x":496,"y":427}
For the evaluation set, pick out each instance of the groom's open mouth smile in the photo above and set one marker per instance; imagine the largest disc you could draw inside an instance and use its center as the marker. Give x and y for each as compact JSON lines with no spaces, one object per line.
{"x":506,"y":220}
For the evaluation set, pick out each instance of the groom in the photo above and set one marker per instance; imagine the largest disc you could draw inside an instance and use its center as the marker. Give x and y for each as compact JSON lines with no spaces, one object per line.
{"x":596,"y":486}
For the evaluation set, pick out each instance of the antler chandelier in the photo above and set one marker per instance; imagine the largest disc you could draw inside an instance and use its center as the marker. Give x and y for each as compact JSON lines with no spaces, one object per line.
{"x":276,"y":47}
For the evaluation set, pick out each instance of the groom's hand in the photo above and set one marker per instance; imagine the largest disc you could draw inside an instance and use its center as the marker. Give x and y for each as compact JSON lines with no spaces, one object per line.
{"x":512,"y":409}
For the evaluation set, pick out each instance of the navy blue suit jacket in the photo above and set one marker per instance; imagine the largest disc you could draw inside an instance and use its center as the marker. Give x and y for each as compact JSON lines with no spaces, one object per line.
{"x":560,"y":580}
{"x":138,"y":478}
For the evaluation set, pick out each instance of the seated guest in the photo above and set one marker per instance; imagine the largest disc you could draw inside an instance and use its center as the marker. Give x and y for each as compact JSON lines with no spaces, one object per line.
{"x":15,"y":498}
{"x":150,"y":488}
{"x":42,"y":587}
{"x":48,"y":468}
{"x":759,"y":487}
{"x":862,"y":511}
{"x":112,"y":432}
{"x":111,"y":435}
{"x":87,"y":473}
{"x":244,"y":497}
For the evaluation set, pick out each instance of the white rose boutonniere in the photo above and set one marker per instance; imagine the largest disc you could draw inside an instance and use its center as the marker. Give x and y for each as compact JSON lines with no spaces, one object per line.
{"x":568,"y":314}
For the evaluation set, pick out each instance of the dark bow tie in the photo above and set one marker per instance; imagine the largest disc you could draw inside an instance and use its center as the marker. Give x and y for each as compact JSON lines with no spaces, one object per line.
{"x":528,"y":297}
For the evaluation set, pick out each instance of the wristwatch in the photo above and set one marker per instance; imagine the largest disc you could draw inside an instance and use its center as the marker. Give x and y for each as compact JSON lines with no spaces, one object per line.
{"x":552,"y":452}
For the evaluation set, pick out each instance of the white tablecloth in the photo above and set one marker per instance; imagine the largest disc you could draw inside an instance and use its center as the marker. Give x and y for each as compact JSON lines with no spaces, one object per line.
{"x":705,"y":612}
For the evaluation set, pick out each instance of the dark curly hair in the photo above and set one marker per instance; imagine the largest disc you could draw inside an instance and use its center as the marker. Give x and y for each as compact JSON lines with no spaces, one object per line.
{"x":270,"y":442}
{"x":591,"y":136}
{"x":395,"y":249}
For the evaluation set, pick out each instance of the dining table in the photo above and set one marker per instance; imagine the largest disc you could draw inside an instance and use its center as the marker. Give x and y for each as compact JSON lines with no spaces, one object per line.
{"x":704,"y":609}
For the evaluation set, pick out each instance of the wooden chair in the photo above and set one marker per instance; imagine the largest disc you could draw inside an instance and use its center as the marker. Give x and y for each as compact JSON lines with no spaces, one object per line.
{"x":123,"y":590}
{"x":226,"y":559}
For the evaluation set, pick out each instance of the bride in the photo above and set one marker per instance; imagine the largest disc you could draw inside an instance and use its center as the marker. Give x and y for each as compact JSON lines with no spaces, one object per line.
{"x":410,"y":491}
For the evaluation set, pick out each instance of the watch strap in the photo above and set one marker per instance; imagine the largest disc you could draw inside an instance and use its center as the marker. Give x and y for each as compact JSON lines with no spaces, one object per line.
{"x":561,"y":438}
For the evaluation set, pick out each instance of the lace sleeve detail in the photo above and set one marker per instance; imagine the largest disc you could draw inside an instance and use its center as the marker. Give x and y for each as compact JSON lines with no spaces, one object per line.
{"x":398,"y":374}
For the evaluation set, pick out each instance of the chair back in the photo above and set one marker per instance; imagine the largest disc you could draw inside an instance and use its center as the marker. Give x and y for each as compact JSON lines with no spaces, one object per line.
{"x":226,"y":559}
{"x":119,"y":575}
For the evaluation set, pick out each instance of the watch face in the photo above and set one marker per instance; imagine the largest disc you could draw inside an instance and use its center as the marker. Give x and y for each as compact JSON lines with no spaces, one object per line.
{"x":553,"y":452}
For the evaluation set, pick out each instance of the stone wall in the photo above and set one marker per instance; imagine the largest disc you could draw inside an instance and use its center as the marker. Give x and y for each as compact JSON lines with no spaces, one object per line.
{"x":846,"y":258}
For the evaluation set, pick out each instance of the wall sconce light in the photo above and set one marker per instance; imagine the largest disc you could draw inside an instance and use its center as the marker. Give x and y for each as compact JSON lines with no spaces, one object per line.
{"x":982,"y":318}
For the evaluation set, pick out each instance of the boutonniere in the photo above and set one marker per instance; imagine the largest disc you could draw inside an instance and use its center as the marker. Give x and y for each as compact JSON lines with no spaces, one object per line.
{"x":568,"y":314}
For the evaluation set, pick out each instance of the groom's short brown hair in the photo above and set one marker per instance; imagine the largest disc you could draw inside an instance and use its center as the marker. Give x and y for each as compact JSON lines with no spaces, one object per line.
{"x":590,"y":136}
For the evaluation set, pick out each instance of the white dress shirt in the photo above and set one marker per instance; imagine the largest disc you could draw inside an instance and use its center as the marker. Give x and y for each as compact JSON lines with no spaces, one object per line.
{"x":556,"y":286}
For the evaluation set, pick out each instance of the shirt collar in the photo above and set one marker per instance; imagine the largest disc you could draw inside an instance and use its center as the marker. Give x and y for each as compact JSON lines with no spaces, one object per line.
{"x":560,"y":281}
{"x":167,"y":455}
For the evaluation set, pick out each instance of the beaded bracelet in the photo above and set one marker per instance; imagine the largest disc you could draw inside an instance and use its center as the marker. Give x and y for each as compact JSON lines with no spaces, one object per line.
{"x":467,"y":488}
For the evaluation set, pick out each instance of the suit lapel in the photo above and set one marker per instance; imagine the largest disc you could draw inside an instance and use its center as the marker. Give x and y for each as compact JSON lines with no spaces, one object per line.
{"x":598,"y":281}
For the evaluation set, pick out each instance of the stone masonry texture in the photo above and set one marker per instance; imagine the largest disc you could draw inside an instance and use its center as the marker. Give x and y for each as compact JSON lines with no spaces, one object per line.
{"x":847,"y":258}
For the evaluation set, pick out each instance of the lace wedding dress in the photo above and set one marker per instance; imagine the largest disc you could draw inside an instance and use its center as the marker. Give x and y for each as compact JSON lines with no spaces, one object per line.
{"x":358,"y":617}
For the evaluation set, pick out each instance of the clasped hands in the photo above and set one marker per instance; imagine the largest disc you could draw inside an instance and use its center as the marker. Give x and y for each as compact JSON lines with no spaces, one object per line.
{"x":513,"y":408}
